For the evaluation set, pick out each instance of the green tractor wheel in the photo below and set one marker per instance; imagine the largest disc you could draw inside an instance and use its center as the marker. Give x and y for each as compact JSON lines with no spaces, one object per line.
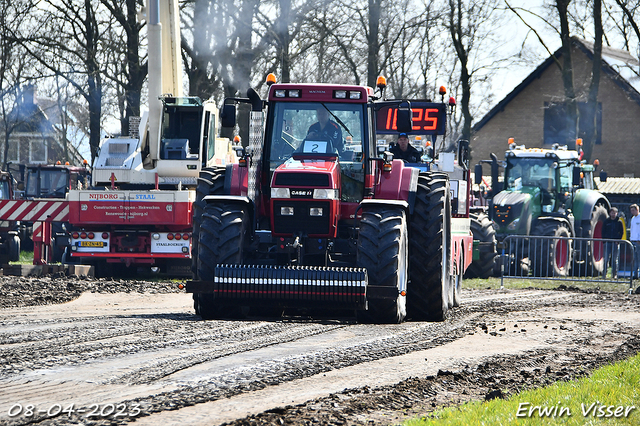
{"x":552,"y":258}
{"x":595,"y":253}
{"x":590,"y":258}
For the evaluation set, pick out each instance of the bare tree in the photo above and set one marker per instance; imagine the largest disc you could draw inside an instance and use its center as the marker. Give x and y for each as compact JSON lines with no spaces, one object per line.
{"x":570,"y":101}
{"x":590,"y":120}
{"x":282,"y":38}
{"x":68,"y":43}
{"x":14,"y":68}
{"x":206,"y":25}
{"x":128,"y":70}
{"x":629,"y":9}
{"x":471,"y":26}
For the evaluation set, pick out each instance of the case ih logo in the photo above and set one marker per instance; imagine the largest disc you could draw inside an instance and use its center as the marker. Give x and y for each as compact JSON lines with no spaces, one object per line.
{"x":101,"y":196}
{"x":301,"y":193}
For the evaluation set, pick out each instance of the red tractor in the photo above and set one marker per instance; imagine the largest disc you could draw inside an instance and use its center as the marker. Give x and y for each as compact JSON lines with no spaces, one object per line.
{"x":313,"y":218}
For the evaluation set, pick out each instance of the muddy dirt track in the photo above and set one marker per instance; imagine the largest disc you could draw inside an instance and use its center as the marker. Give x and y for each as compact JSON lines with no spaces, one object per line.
{"x":118,"y":352}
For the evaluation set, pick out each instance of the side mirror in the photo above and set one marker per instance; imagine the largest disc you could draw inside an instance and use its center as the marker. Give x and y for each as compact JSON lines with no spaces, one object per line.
{"x":228,"y":115}
{"x":576,"y":176}
{"x":405,"y":118}
{"x":463,"y":154}
{"x":477,"y":174}
{"x":603,"y":176}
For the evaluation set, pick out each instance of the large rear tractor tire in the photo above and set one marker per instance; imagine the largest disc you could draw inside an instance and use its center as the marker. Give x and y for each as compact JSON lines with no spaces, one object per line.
{"x":552,"y":258}
{"x":383,"y":251}
{"x":483,"y":231}
{"x":429,"y":249}
{"x":223,"y":231}
{"x":210,"y":182}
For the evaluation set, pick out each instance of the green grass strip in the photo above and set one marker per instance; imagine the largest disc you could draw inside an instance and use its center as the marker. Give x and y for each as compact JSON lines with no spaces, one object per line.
{"x":611,"y":395}
{"x":532,"y":282}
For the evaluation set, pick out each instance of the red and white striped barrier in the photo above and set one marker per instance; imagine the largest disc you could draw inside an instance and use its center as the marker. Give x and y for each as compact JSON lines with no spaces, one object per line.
{"x":34,"y":210}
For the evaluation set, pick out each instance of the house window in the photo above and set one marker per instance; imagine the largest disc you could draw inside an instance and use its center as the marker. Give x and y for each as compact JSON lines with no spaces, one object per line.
{"x":38,"y":151}
{"x":557,"y":126}
{"x":13,"y":153}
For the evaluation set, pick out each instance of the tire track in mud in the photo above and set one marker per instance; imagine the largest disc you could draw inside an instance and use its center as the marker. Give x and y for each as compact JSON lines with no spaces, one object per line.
{"x":176,"y":361}
{"x":103,"y":338}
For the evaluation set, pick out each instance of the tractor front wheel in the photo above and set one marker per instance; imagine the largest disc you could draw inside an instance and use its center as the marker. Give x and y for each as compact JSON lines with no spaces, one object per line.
{"x":223,"y":230}
{"x":383,"y":251}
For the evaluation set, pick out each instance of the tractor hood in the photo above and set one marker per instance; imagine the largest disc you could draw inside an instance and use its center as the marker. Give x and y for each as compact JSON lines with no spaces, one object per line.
{"x":305,"y":197}
{"x":512,"y":211}
{"x":308,"y":172}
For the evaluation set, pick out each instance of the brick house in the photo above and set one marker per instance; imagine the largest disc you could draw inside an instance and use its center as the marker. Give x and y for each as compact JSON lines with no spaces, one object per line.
{"x":37,"y":135}
{"x":533,"y":112}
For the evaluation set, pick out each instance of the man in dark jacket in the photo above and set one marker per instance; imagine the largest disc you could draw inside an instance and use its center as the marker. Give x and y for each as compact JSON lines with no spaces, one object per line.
{"x":612,"y":229}
{"x":404,"y":151}
{"x":326,"y":130}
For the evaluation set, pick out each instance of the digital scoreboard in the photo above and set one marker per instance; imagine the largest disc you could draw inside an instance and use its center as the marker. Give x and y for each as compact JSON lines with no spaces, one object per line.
{"x":429,"y":118}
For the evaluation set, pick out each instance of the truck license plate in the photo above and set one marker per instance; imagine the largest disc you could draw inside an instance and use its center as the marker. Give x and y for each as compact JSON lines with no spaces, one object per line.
{"x":91,"y":244}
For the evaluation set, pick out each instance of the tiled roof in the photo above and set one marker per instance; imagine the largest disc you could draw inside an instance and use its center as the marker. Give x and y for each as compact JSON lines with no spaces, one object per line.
{"x":613,"y":185}
{"x":619,"y":185}
{"x":618,"y":64}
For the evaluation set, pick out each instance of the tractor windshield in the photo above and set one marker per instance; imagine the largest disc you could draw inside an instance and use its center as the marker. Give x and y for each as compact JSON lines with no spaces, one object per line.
{"x":536,"y":172}
{"x":47,"y":183}
{"x":4,"y":190}
{"x":317,"y":128}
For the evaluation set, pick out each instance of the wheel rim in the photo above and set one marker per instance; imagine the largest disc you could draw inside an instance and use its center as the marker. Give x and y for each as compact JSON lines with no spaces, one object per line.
{"x":597,"y":245}
{"x":402,"y":276}
{"x":446,"y":278}
{"x":561,"y":254}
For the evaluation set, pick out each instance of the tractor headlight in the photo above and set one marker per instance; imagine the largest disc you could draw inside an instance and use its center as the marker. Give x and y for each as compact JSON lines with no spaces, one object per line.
{"x":280,"y":193}
{"x":325,"y":194}
{"x":315,"y":211}
{"x":286,"y":211}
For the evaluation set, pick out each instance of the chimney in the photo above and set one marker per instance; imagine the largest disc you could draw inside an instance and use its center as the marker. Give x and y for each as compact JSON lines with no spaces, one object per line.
{"x":29,"y":95}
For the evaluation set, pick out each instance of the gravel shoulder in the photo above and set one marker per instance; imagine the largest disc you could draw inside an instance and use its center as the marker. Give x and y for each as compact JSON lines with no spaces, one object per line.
{"x":133,"y":343}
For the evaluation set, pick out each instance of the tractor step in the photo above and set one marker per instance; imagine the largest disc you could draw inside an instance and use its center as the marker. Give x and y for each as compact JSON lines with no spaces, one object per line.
{"x":345,"y":287}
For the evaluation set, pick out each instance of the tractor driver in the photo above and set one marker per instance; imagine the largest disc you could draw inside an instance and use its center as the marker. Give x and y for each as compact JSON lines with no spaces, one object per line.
{"x":404,"y":151}
{"x":327,"y":130}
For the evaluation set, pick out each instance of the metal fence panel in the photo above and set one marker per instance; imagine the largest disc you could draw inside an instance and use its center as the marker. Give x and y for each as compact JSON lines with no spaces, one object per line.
{"x":567,"y":259}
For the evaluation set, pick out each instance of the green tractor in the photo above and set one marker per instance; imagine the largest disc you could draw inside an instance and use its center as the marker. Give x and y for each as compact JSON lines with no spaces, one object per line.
{"x":547,"y":193}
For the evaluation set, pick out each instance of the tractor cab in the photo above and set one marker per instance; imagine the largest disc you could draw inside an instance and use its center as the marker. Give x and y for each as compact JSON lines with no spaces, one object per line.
{"x":309,"y":140}
{"x":54,"y":181}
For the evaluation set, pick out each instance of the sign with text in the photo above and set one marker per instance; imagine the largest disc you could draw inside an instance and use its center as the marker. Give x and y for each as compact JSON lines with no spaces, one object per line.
{"x":429,"y":118}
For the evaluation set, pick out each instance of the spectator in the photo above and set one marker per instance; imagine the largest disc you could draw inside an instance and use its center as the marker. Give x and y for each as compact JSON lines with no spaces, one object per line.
{"x":612,"y":230}
{"x":404,"y":151}
{"x":634,"y":237}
